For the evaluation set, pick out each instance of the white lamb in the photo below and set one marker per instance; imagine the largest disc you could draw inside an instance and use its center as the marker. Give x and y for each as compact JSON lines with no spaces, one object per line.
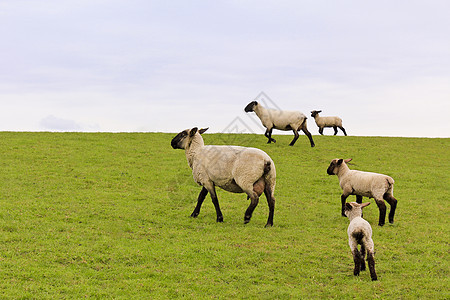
{"x":367,"y":184}
{"x":232,"y":168}
{"x":360,"y":233}
{"x":280,"y":119}
{"x":323,"y":122}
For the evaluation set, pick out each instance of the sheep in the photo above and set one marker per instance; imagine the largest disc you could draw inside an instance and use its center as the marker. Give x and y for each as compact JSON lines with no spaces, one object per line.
{"x":233,"y":168}
{"x":367,"y":184}
{"x":323,"y":122}
{"x":360,"y":233}
{"x":279,"y":119}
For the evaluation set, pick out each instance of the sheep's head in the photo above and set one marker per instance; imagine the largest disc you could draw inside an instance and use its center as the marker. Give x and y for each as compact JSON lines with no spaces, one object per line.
{"x":354,"y":209}
{"x":184,"y":138}
{"x":335,"y":164}
{"x":315,"y":113}
{"x":251,"y":106}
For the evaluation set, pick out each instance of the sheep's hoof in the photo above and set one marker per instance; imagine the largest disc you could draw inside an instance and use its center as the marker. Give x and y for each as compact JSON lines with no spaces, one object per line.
{"x":380,"y":224}
{"x":194,"y":214}
{"x":247,"y":219}
{"x":374,"y":278}
{"x":268,"y":225}
{"x":219,"y":219}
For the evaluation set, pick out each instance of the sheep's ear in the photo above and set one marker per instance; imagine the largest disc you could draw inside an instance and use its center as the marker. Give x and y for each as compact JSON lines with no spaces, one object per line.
{"x":348,"y":206}
{"x":193,"y":131}
{"x":319,"y":111}
{"x":201,"y":131}
{"x":348,"y":160}
{"x":365,"y":204}
{"x":339,"y":162}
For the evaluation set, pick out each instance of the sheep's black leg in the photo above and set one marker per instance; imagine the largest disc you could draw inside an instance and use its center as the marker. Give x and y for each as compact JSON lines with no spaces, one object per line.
{"x":295,"y":137}
{"x":363,"y":256}
{"x":271,"y":203}
{"x":359,"y":199}
{"x":216,"y":205}
{"x":200,"y":199}
{"x":393,"y":203}
{"x":343,"y":198}
{"x":321,"y":130}
{"x":371,"y":263}
{"x":308,"y":134}
{"x":248,"y":213}
{"x":343,"y":130}
{"x":268,"y":135}
{"x":382,"y":209}
{"x":335,"y":130}
{"x":357,"y":261}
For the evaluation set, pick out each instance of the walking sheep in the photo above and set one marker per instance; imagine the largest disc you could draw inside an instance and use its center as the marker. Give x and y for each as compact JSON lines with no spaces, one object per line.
{"x":367,"y":184}
{"x":323,"y":122}
{"x":232,"y":168}
{"x":280,"y":119}
{"x":360,"y":233}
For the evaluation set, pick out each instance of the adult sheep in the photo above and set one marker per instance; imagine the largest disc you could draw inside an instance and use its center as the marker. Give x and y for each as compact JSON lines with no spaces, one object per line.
{"x":367,"y":184}
{"x":281,"y":120}
{"x":232,"y":168}
{"x":323,"y":122}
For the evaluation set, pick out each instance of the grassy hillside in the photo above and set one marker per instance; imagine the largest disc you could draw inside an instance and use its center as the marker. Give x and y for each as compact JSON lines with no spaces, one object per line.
{"x":107,"y":216}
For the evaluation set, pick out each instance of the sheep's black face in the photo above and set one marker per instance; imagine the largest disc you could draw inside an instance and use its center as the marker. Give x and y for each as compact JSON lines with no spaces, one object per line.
{"x":178,"y":140}
{"x":250,"y":106}
{"x":314,"y":113}
{"x":330,"y":170}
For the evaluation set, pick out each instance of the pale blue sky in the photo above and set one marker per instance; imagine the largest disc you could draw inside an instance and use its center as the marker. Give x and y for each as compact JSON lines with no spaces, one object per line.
{"x":97,"y":65}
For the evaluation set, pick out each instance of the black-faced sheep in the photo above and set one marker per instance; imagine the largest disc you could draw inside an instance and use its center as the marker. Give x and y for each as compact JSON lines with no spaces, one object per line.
{"x":281,"y":120}
{"x":367,"y":184}
{"x":232,"y":168}
{"x":360,"y":233}
{"x":323,"y":122}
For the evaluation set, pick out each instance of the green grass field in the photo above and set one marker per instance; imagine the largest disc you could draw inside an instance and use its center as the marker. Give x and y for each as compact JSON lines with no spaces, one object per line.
{"x":103,"y":215}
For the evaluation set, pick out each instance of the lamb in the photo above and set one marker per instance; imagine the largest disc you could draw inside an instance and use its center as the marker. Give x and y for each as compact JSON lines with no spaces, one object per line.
{"x":280,"y":119}
{"x":232,"y":168}
{"x":360,"y":233}
{"x":367,"y":184}
{"x":323,"y":122}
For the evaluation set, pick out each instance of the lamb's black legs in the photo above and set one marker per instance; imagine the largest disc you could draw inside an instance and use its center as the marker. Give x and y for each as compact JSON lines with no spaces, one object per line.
{"x":248,"y":213}
{"x":271,"y":203}
{"x":268,"y":135}
{"x":371,"y":263}
{"x":215,"y":201}
{"x":308,"y":134}
{"x":393,"y":203}
{"x":357,"y":260}
{"x":295,"y":137}
{"x":382,"y":209}
{"x":200,"y":199}
{"x":343,"y":130}
{"x":335,"y":130}
{"x":216,"y":204}
{"x":343,"y":198}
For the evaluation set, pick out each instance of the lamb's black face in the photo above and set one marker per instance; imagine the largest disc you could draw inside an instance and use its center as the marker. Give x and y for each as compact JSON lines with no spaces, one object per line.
{"x":315,"y":113}
{"x":332,"y":169}
{"x":250,"y":106}
{"x":177,"y":141}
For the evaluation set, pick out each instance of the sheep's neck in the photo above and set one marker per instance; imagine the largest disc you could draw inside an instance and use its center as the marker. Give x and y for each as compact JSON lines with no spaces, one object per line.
{"x":343,"y":169}
{"x":193,"y":148}
{"x":260,"y":111}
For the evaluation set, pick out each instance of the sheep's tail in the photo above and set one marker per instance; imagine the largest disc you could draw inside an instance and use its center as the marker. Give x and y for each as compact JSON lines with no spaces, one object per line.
{"x":267,"y":167}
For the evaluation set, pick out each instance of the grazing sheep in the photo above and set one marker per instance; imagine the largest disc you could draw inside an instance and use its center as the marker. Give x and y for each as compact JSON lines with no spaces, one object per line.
{"x":232,"y":168}
{"x":280,"y":119}
{"x":367,"y":184}
{"x":323,"y":122}
{"x":360,"y":233}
